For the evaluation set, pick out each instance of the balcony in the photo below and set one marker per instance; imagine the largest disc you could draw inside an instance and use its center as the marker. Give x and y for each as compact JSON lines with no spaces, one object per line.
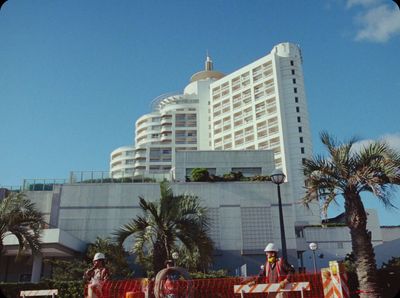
{"x":140,"y":154}
{"x":166,"y":137}
{"x":140,"y":163}
{"x":166,"y":120}
{"x":166,"y":128}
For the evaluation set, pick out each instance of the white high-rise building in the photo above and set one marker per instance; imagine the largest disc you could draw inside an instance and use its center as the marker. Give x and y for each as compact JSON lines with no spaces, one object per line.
{"x":263,"y":106}
{"x":259,"y":106}
{"x":177,"y":122}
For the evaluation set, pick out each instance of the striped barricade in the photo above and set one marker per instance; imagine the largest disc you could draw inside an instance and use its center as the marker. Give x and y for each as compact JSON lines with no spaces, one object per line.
{"x":334,"y":284}
{"x":33,"y":293}
{"x":271,"y":288}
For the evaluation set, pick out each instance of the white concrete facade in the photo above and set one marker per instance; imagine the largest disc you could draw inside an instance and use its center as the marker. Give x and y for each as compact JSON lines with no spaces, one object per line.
{"x":177,"y":122}
{"x":260,"y":106}
{"x":263,"y":106}
{"x":122,"y":162}
{"x":243,"y":217}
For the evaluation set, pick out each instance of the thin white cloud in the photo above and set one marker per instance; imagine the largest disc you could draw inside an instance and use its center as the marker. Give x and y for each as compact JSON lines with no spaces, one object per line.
{"x":393,"y":140}
{"x":376,"y":21}
{"x":378,"y":24}
{"x":351,"y":3}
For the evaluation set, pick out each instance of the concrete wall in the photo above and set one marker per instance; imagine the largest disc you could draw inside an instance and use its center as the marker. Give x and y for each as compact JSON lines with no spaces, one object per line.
{"x":43,"y":202}
{"x":335,"y":242}
{"x":390,"y":233}
{"x":244,"y":215}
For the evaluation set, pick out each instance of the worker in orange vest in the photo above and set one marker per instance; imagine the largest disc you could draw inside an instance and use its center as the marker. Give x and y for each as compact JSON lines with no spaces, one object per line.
{"x":276,"y":270}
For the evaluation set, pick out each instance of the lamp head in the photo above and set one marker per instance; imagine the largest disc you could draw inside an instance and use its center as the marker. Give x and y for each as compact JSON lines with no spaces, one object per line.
{"x":313,"y":246}
{"x":278,"y":177}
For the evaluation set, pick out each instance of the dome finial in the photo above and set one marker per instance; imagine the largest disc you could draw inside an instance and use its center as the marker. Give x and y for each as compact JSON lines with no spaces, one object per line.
{"x":208,"y":63}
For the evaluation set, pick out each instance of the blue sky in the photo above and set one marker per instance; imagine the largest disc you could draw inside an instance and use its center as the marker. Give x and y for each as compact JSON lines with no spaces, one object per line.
{"x":75,"y":75}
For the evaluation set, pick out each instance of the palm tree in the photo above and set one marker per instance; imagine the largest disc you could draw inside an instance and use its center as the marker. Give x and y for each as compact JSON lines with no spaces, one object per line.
{"x":166,"y":224}
{"x":347,"y":172}
{"x":19,"y":217}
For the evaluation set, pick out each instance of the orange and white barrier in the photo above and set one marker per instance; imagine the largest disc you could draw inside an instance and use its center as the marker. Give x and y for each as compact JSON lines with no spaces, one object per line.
{"x":272,"y":288}
{"x":334,"y":281}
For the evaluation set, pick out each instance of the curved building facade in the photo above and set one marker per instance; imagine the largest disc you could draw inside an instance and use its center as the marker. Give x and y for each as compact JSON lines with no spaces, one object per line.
{"x":176,"y":122}
{"x":122,"y":162}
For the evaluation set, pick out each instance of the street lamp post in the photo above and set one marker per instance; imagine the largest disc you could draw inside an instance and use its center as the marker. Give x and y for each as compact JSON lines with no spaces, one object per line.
{"x":313,"y":247}
{"x":278,"y":178}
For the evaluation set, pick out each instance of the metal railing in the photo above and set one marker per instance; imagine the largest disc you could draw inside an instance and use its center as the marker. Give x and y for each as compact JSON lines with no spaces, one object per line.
{"x":89,"y":177}
{"x":12,"y":188}
{"x":107,"y":177}
{"x":41,"y":184}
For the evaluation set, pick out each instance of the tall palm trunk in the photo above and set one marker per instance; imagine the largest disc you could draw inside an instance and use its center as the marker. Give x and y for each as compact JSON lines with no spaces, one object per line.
{"x":356,"y":219}
{"x":159,"y":256}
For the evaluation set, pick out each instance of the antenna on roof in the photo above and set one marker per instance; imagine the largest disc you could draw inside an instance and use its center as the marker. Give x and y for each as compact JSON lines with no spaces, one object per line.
{"x":208,"y":63}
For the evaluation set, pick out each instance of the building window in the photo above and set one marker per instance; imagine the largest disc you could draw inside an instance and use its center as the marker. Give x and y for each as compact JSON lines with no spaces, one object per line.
{"x":340,"y":245}
{"x":303,"y":160}
{"x":302,"y":150}
{"x":295,"y":90}
{"x":300,"y":129}
{"x":301,"y":140}
{"x":298,"y":119}
{"x":129,"y":153}
{"x":298,"y":109}
{"x":296,"y":99}
{"x":291,"y":62}
{"x":294,"y":81}
{"x":247,"y":172}
{"x":293,"y":72}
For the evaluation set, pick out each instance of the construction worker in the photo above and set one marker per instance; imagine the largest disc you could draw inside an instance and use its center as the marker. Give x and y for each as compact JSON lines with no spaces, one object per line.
{"x":96,"y":275}
{"x":276,"y":270}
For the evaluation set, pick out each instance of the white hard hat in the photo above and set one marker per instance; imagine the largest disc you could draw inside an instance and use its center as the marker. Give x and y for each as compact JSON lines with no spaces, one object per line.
{"x":99,"y":256}
{"x":271,"y":247}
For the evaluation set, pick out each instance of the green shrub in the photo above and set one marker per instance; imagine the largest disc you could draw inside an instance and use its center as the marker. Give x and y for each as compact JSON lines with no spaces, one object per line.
{"x":260,"y":178}
{"x":211,"y":274}
{"x":233,"y":176}
{"x":200,"y":175}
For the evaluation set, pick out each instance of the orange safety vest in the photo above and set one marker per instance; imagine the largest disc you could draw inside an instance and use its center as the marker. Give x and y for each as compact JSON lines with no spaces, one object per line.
{"x":278,"y":267}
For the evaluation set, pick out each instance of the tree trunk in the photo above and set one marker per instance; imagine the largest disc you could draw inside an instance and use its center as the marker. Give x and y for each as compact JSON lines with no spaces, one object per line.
{"x":159,"y":256}
{"x":356,"y":219}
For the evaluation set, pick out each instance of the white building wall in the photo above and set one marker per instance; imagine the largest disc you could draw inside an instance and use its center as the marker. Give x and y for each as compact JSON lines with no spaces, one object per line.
{"x":390,"y":233}
{"x":90,"y":210}
{"x":335,"y":242}
{"x":260,"y":106}
{"x":122,"y":162}
{"x":263,"y":106}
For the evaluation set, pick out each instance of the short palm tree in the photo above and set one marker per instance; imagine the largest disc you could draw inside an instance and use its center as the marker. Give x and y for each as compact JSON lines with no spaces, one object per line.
{"x":19,"y":217}
{"x":375,"y":168}
{"x":171,"y":222}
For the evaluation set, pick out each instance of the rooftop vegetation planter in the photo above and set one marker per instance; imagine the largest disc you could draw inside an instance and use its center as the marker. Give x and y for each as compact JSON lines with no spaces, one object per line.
{"x":202,"y":175}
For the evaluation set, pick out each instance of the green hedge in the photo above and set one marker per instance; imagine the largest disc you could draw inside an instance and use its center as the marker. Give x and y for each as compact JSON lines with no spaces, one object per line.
{"x":70,"y":289}
{"x":202,"y":175}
